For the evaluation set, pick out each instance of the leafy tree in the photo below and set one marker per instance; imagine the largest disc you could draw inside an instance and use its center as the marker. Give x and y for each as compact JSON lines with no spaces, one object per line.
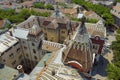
{"x":39,"y":5}
{"x":25,"y":13}
{"x":117,"y":0}
{"x":114,"y":69}
{"x":49,"y":6}
{"x":87,"y":20}
{"x":21,"y":16}
{"x":100,"y":10}
{"x":118,"y":31}
{"x":113,"y":72}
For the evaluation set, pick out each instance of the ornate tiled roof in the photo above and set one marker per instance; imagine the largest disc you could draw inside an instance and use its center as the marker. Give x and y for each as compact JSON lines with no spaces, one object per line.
{"x":57,"y":13}
{"x":54,"y":23}
{"x":32,"y":24}
{"x":97,"y":29}
{"x":81,"y":50}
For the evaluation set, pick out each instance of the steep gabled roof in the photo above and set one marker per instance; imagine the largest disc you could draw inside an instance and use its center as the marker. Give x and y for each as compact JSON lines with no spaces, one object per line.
{"x":80,"y":50}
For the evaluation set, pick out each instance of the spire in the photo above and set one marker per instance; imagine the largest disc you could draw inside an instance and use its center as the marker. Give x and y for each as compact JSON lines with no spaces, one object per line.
{"x":57,"y":10}
{"x":82,"y":35}
{"x":82,"y":28}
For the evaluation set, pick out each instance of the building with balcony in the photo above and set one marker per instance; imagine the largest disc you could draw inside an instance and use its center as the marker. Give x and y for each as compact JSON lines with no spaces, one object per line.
{"x":10,"y":50}
{"x":116,"y":14}
{"x":30,"y":34}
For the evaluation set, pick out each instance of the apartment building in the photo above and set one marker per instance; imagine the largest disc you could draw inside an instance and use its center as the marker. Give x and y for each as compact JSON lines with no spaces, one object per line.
{"x":116,"y":14}
{"x":10,"y":50}
{"x":57,"y":27}
{"x":30,"y":34}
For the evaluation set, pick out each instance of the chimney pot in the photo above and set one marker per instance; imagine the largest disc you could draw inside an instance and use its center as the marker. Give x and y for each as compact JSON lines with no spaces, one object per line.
{"x":20,"y":69}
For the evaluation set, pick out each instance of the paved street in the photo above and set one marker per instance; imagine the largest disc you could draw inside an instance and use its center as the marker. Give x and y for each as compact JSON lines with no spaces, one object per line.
{"x":98,"y":70}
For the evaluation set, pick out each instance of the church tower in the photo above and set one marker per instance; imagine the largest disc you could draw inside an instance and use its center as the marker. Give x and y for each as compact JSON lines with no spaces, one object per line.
{"x":80,"y":53}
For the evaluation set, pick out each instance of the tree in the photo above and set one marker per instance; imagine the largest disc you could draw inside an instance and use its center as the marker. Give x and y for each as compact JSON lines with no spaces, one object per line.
{"x":100,"y":10}
{"x":113,"y":72}
{"x":114,"y":69}
{"x":39,"y":5}
{"x":24,"y":13}
{"x":49,"y":6}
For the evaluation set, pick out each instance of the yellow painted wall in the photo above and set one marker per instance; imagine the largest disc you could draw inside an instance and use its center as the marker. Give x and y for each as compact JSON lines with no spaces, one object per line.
{"x":52,"y":35}
{"x":63,"y":34}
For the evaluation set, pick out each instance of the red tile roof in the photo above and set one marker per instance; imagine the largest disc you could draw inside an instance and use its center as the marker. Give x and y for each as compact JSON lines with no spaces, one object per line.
{"x":81,"y":56}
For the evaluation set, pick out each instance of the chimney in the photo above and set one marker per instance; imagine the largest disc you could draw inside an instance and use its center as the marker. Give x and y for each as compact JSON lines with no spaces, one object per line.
{"x":53,"y":72}
{"x":69,"y":36}
{"x":44,"y":63}
{"x":20,"y":69}
{"x":1,"y":63}
{"x":83,"y":20}
{"x":10,"y":32}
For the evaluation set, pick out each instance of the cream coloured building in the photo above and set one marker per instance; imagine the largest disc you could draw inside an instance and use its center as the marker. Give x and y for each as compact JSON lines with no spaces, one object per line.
{"x":10,"y":50}
{"x":30,"y":34}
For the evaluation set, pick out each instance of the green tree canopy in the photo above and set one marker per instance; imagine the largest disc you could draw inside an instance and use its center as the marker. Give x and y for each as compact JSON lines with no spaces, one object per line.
{"x":114,"y":69}
{"x":104,"y":12}
{"x":41,"y":5}
{"x":21,"y":16}
{"x":113,"y":72}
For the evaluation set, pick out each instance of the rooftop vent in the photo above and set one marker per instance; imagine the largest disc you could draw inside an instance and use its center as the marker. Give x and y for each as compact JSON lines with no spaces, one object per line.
{"x":53,"y":72}
{"x":20,"y":69}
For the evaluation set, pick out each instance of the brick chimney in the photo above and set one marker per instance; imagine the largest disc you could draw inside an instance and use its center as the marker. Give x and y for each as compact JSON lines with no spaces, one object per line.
{"x":20,"y":69}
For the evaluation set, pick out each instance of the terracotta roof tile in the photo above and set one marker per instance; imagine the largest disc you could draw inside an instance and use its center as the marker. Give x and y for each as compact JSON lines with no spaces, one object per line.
{"x":45,"y":23}
{"x":117,"y":8}
{"x":69,"y":11}
{"x":88,"y":13}
{"x":79,"y":56}
{"x":55,"y":22}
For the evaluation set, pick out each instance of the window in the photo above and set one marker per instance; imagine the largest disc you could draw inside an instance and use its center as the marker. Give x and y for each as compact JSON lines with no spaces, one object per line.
{"x":23,"y":41}
{"x":62,"y":31}
{"x":35,"y":57}
{"x":18,"y":50}
{"x":20,"y":56}
{"x":62,"y":37}
{"x":95,"y":47}
{"x":4,"y":60}
{"x":52,"y":39}
{"x":34,"y":51}
{"x":25,"y":47}
{"x":11,"y":55}
{"x":27,"y":55}
{"x":14,"y":62}
{"x":33,"y":44}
